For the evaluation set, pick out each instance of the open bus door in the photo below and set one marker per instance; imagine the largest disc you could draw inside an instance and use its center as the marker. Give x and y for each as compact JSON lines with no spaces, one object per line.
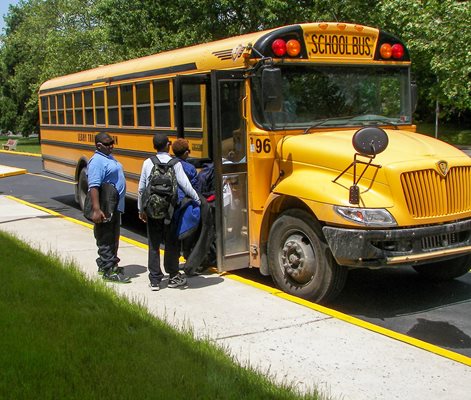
{"x":229,"y":153}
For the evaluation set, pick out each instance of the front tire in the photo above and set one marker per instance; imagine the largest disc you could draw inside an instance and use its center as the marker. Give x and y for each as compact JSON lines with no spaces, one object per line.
{"x":82,"y":188}
{"x":445,"y":270}
{"x":300,"y":261}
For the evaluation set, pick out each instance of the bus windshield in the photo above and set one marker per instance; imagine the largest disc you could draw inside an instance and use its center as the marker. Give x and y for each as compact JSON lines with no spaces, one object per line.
{"x":331,"y":96}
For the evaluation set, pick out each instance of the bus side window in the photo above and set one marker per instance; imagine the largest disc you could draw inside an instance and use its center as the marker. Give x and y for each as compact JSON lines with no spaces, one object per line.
{"x":45,"y":110}
{"x":112,"y":100}
{"x":162,"y":104}
{"x":127,"y":106}
{"x":52,"y":100}
{"x":60,"y":109}
{"x":69,"y":112}
{"x":100,"y":106}
{"x":143,"y":104}
{"x":88,"y":102}
{"x":78,"y":108}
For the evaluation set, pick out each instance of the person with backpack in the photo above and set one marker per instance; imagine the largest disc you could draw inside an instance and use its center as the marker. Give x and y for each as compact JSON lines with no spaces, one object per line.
{"x":161,"y":176}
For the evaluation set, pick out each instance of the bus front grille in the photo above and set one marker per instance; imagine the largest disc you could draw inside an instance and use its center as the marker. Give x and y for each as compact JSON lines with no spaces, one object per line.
{"x":428,"y":194}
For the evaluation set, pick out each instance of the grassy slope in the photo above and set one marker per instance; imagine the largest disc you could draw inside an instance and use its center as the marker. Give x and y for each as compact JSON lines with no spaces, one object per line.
{"x":65,"y":337}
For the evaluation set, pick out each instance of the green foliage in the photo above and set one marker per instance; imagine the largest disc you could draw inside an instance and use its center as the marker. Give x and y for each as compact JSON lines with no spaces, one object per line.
{"x":48,"y":38}
{"x":438,"y":36}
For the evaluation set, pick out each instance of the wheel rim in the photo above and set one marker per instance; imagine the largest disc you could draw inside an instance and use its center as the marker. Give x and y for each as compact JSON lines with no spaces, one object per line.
{"x":297,"y":258}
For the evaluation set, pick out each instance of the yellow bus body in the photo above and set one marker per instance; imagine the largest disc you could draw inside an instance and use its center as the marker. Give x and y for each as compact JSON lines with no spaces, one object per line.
{"x":417,"y":182}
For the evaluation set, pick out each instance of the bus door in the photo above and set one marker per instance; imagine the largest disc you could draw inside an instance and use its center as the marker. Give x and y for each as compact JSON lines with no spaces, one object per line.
{"x":230,"y":167}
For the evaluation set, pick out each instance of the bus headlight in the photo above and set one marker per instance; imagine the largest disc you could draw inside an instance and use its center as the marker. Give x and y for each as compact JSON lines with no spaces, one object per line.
{"x":378,"y":217}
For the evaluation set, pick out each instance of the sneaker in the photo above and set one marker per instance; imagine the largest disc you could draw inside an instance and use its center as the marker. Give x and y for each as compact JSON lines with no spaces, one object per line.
{"x":176,"y":281}
{"x":116,"y":277}
{"x":101,"y":271}
{"x":155,"y":287}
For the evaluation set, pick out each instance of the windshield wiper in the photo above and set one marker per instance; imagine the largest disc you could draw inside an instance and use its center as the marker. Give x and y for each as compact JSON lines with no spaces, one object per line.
{"x":323,"y":121}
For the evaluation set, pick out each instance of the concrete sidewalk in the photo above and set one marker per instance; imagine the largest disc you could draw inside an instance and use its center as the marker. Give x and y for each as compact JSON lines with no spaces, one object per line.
{"x":293,"y":342}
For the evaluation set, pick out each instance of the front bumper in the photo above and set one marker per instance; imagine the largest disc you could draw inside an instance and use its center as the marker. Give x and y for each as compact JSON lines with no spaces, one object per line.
{"x":375,"y":248}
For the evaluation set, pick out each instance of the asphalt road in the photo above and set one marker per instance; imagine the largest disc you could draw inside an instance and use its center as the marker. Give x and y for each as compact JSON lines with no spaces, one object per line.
{"x":397,"y":299}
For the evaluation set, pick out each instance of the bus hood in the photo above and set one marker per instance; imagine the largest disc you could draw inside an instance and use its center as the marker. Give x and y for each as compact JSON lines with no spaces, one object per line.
{"x":317,"y":167}
{"x":334,"y":150}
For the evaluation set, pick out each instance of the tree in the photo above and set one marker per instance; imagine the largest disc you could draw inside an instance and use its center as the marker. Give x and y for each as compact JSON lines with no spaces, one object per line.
{"x":438,"y":36}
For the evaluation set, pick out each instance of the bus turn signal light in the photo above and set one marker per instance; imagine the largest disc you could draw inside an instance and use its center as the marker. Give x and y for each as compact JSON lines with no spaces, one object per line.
{"x":386,"y":51}
{"x":293,"y":47}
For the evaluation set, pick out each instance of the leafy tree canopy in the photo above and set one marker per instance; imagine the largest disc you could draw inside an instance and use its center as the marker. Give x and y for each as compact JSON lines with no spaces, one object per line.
{"x":47,"y":38}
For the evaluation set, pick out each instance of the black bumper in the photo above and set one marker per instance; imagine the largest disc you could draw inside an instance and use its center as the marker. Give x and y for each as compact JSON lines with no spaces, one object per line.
{"x":374,"y":248}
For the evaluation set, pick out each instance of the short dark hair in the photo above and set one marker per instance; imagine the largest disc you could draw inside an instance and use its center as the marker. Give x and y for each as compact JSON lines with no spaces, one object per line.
{"x":180,"y":146}
{"x":102,"y":136}
{"x":160,"y":141}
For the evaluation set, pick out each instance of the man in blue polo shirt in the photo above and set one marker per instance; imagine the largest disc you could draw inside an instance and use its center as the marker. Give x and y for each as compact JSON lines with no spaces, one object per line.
{"x":104,"y":168}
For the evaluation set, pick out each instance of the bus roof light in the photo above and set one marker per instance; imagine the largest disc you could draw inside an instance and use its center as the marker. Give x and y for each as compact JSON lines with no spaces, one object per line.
{"x":397,"y":51}
{"x":293,"y":47}
{"x":279,"y":47}
{"x":386,"y":51}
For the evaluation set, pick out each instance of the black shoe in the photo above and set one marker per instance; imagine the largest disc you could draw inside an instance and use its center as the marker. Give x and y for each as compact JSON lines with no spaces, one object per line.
{"x":155,"y":287}
{"x":116,"y":277}
{"x":176,"y":281}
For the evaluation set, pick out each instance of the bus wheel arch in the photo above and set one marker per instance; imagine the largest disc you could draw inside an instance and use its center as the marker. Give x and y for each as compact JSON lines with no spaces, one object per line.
{"x":299,"y":259}
{"x":81,"y":188}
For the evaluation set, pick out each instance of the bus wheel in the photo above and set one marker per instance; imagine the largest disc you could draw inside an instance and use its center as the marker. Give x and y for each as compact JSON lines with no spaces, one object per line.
{"x":82,"y":187}
{"x":445,"y":270}
{"x":299,"y":260}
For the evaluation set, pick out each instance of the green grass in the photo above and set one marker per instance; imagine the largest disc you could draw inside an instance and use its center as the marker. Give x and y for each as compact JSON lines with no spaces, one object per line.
{"x":24,"y":145}
{"x":64,"y":336}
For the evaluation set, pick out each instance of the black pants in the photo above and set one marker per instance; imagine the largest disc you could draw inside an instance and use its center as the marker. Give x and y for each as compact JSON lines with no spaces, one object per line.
{"x":157,"y":232}
{"x":107,"y":241}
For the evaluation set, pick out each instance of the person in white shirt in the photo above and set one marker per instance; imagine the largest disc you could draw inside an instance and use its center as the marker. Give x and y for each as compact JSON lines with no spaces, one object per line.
{"x":157,"y":231}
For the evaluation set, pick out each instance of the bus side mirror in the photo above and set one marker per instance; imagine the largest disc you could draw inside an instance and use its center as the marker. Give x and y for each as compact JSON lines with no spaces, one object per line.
{"x":271,"y":89}
{"x":414,"y":97}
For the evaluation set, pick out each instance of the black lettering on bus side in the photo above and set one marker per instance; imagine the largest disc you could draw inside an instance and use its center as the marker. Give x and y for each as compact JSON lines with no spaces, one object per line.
{"x":366,"y":45}
{"x":315,"y":49}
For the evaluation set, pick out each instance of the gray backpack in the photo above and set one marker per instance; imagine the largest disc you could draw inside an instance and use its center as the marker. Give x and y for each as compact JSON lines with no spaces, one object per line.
{"x":161,"y":195}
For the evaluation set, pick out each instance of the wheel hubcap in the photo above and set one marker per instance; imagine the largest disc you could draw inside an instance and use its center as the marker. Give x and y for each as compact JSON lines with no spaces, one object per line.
{"x":297,"y":258}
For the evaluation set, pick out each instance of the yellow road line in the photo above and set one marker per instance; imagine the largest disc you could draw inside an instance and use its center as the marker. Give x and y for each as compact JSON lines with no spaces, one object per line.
{"x":20,"y":153}
{"x":356,"y":321}
{"x":317,"y":307}
{"x":52,"y":178}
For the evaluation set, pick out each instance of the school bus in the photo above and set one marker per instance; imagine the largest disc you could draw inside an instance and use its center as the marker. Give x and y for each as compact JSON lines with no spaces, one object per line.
{"x":318,"y":168}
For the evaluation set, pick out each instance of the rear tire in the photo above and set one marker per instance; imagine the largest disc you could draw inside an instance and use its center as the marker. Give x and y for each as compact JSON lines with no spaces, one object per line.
{"x":82,"y":187}
{"x":300,"y":261}
{"x":445,"y":270}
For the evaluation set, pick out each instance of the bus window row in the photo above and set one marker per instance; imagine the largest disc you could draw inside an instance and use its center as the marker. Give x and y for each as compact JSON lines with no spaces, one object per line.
{"x":142,"y":104}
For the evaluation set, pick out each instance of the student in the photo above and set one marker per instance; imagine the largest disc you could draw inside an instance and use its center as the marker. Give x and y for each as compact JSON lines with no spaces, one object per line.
{"x":157,"y":230}
{"x":104,"y":168}
{"x":181,"y":149}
